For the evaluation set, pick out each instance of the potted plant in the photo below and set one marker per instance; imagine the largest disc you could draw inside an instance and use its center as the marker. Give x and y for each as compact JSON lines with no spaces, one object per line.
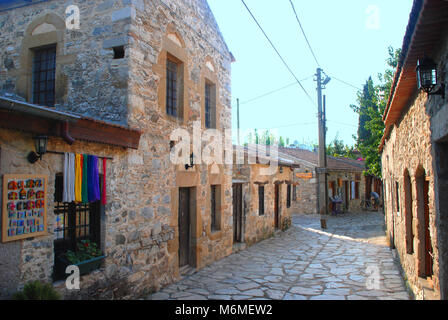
{"x":87,"y":257}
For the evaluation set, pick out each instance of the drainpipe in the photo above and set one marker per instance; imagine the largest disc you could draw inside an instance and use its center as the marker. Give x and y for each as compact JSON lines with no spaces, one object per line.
{"x":65,"y":133}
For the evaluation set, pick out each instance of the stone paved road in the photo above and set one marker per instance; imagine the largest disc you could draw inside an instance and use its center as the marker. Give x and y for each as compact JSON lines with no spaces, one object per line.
{"x":348,"y":260}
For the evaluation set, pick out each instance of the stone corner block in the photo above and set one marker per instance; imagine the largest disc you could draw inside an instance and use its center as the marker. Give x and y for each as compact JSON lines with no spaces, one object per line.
{"x":115,"y":42}
{"x":125,"y":13}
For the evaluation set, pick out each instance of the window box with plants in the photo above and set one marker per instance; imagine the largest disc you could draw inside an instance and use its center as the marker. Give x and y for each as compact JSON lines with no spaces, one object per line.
{"x":88,"y":257}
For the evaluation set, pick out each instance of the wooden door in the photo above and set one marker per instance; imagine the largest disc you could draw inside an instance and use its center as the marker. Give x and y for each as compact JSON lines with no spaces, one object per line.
{"x":184,"y":226}
{"x":276,"y":206}
{"x":428,"y":245}
{"x":237,"y":212}
{"x":346,"y":195}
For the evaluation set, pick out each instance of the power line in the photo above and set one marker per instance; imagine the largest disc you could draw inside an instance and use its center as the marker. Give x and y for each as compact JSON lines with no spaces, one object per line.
{"x":273,"y":91}
{"x":289,"y":125}
{"x":278,"y":53}
{"x":344,"y":124}
{"x":303,"y":31}
{"x":346,"y":83}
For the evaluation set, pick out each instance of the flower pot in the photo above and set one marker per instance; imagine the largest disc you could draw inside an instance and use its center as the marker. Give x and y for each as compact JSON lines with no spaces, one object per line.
{"x":85,"y":266}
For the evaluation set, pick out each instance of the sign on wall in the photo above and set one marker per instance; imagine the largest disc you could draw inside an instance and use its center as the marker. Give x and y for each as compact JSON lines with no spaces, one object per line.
{"x":304,"y":175}
{"x":24,"y":212}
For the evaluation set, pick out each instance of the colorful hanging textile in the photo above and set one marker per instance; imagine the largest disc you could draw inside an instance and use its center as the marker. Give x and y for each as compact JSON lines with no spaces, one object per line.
{"x":93,"y":179}
{"x":68,"y":194}
{"x":103,"y":191}
{"x":85,"y":171}
{"x":78,"y":178}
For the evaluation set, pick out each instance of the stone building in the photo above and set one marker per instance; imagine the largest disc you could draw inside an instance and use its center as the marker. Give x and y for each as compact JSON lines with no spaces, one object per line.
{"x":117,"y":87}
{"x":262,"y":197}
{"x":344,"y":176}
{"x":414,"y":156}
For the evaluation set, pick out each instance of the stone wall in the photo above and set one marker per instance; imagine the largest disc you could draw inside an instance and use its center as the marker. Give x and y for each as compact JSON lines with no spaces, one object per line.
{"x":409,"y":149}
{"x":259,"y":227}
{"x":306,"y":190}
{"x":140,"y":224}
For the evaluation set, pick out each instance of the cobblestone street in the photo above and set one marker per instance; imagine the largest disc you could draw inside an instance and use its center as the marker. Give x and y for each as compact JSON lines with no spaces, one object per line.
{"x":348,"y":260}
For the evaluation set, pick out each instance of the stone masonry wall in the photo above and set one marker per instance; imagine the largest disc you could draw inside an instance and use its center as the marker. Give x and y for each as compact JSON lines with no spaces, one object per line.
{"x":140,"y":225}
{"x":89,"y":81}
{"x":306,"y":201}
{"x":409,"y":148}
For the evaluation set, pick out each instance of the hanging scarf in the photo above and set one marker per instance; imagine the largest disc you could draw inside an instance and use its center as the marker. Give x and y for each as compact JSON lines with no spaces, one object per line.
{"x":85,"y":170}
{"x":78,"y":178}
{"x":68,"y":194}
{"x":65,"y":177}
{"x":93,"y":180}
{"x":103,"y":191}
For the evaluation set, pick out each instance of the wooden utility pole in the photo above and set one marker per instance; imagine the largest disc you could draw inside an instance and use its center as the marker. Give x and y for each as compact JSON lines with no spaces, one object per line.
{"x":322,"y":192}
{"x":238,"y":120}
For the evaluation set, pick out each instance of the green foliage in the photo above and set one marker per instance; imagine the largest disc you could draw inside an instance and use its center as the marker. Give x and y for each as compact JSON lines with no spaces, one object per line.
{"x":86,"y":250}
{"x":266,"y":138}
{"x":337,"y":148}
{"x":372,"y":101}
{"x":37,"y":290}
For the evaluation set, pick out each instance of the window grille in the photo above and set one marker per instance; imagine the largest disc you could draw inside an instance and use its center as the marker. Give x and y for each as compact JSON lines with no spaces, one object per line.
{"x":74,"y":222}
{"x":44,"y":70}
{"x":171,"y":88}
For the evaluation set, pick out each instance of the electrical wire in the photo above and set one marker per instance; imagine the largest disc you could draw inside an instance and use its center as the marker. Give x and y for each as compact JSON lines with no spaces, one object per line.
{"x":278,"y":53}
{"x":346,"y":83}
{"x":273,"y":91}
{"x":304,"y":34}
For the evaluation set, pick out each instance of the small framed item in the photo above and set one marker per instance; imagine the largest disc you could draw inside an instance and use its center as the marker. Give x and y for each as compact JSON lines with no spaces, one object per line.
{"x":24,"y":207}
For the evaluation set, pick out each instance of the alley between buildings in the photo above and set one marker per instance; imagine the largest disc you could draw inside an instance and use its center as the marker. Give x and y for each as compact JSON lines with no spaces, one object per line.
{"x":348,"y":260}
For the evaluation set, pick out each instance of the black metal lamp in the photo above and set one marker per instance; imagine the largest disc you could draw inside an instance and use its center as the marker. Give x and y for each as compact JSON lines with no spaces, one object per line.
{"x":187,"y":166}
{"x":40,"y":143}
{"x":427,"y":77}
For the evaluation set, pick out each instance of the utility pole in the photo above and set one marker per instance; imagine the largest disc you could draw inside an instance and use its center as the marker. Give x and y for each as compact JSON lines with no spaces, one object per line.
{"x":238,"y":120}
{"x":321,"y":163}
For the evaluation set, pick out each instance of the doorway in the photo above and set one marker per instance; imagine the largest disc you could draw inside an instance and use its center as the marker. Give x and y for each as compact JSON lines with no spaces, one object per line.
{"x":425,"y":261}
{"x":185,"y":206}
{"x":346,"y":195}
{"x":237,"y":212}
{"x":276,"y":206}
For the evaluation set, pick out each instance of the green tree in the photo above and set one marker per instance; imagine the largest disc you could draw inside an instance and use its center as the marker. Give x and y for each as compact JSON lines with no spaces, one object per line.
{"x":337,"y":148}
{"x":372,"y":101}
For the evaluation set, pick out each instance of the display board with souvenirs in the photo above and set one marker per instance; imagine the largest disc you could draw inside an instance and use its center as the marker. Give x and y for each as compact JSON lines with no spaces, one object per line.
{"x":24,"y":212}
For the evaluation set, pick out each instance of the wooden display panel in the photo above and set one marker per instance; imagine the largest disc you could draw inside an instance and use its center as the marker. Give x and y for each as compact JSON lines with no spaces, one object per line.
{"x":24,"y":210}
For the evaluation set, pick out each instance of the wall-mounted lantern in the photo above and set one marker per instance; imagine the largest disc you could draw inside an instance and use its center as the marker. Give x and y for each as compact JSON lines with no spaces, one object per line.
{"x":40,"y":143}
{"x":427,"y":77}
{"x":191,"y":165}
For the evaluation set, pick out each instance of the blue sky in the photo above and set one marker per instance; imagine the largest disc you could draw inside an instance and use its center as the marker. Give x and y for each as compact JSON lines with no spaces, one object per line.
{"x":349,"y":37}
